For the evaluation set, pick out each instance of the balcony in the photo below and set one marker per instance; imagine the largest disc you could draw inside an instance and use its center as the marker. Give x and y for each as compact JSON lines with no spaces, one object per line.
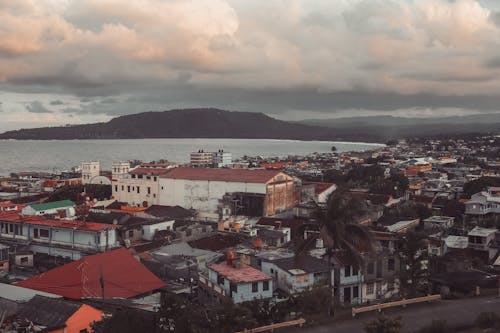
{"x":204,"y":282}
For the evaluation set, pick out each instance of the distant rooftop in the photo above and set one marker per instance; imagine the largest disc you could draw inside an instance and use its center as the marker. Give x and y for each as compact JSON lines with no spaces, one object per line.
{"x":52,"y":205}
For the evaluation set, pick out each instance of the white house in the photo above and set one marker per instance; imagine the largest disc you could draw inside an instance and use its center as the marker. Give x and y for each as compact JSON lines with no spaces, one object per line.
{"x":237,"y":282}
{"x":51,"y":208}
{"x":89,"y":171}
{"x":292,"y":277}
{"x":484,"y":203}
{"x":483,"y":239}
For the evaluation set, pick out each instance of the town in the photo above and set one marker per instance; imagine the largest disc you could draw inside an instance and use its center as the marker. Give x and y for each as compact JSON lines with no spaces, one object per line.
{"x":228,"y":245}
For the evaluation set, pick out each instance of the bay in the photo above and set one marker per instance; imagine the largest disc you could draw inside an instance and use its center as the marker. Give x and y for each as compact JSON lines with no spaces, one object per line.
{"x":59,"y":155}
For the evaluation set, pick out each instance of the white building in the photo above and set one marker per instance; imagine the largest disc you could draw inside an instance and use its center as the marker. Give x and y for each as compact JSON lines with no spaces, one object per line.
{"x":89,"y":171}
{"x":484,"y":203}
{"x":139,"y":186}
{"x":248,"y":192}
{"x":63,"y":238}
{"x":217,"y":159}
{"x":65,"y":207}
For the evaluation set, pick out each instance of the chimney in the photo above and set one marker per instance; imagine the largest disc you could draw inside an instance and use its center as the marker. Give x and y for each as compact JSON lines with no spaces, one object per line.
{"x":230,"y":257}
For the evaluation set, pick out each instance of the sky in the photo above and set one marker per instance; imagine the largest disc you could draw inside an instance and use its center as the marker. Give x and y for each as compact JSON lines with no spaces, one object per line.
{"x":82,"y":61}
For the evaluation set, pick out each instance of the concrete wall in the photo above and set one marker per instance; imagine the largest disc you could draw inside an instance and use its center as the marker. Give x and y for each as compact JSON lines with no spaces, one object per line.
{"x":150,"y":229}
{"x":121,"y":186}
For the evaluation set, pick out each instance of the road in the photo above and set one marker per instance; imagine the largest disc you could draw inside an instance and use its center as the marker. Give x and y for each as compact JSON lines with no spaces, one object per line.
{"x":457,"y":313}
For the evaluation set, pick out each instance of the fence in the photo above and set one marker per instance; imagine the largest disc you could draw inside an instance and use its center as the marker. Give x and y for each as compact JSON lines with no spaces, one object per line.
{"x":298,"y":322}
{"x":402,"y":302}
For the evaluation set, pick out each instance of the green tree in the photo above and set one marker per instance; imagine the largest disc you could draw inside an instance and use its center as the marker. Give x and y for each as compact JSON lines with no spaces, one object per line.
{"x":478,"y":185}
{"x":333,"y":149}
{"x":414,"y":264}
{"x":128,"y":321}
{"x":384,"y":324}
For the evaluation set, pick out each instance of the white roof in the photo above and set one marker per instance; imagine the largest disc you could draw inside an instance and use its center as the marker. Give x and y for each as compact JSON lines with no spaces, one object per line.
{"x":296,"y":271}
{"x":481,"y":232}
{"x":456,"y":242}
{"x":401,"y":225}
{"x":20,"y":294}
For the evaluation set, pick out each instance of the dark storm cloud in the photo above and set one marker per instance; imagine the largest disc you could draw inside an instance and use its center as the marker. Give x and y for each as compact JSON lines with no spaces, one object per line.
{"x":37,"y":107}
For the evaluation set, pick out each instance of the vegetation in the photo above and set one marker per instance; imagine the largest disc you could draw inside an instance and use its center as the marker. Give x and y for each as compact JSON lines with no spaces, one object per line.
{"x":414,"y":264}
{"x":384,"y":324}
{"x":74,"y":192}
{"x":128,"y":321}
{"x":478,"y":185}
{"x":436,"y":326}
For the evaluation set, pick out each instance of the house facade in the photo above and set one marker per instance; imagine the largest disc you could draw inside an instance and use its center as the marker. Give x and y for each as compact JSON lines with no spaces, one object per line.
{"x":64,"y":238}
{"x":236,"y":282}
{"x":484,"y":203}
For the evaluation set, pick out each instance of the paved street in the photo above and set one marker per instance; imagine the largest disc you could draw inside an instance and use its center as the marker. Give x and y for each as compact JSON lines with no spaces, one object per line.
{"x":414,"y":317}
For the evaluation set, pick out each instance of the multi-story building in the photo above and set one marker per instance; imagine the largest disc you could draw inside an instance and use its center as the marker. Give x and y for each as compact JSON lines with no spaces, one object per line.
{"x":241,"y":191}
{"x":64,"y":207}
{"x":217,"y":159}
{"x":89,"y":171}
{"x":484,"y":203}
{"x":139,"y":186}
{"x":483,"y":240}
{"x":64,"y":238}
{"x":348,"y":279}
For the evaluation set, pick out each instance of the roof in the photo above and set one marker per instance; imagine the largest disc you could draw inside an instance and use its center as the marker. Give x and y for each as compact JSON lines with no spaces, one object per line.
{"x":224,"y":175}
{"x":456,"y":242}
{"x":481,"y":232}
{"x":244,"y":274}
{"x":52,"y":205}
{"x":320,"y":187}
{"x":168,"y":211}
{"x":149,"y":171}
{"x":19,"y":294}
{"x":307,"y":264}
{"x":216,"y":242}
{"x":123,"y":275}
{"x":402,"y":225}
{"x":183,"y":249}
{"x":49,"y":312}
{"x":66,"y":224}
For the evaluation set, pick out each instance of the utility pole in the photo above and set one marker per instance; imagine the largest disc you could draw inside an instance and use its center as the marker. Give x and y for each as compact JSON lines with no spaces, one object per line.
{"x":101,"y":281}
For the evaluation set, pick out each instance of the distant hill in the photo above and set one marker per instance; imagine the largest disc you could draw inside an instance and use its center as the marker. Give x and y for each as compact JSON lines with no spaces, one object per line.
{"x":187,"y":123}
{"x":215,"y":123}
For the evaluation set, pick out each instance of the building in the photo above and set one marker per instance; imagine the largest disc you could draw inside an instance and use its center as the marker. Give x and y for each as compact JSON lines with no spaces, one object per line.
{"x":56,"y":315}
{"x":483,"y":240}
{"x":13,"y":297}
{"x":138,"y":187}
{"x":236,"y":282}
{"x":113,"y":274}
{"x":64,"y":238}
{"x":4,"y":260}
{"x":439,"y":222}
{"x":348,"y":279}
{"x":217,"y":159}
{"x":484,"y":203}
{"x":292,"y":277}
{"x":89,"y":171}
{"x":64,"y":207}
{"x":224,"y":192}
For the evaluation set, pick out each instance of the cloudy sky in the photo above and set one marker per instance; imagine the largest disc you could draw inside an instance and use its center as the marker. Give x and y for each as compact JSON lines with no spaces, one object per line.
{"x":73,"y":61}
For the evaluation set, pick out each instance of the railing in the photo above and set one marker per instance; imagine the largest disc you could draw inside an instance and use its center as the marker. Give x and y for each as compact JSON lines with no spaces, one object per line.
{"x":402,"y":302}
{"x":298,"y":322}
{"x":203,"y":280}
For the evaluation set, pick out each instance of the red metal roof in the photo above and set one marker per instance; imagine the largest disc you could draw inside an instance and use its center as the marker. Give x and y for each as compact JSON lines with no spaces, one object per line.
{"x":14,"y":216}
{"x":149,"y":171}
{"x":123,"y":275}
{"x":224,"y":175}
{"x":244,"y":274}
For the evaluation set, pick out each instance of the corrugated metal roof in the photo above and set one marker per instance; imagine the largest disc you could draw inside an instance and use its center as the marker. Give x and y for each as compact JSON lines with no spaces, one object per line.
{"x":244,"y":274}
{"x":52,"y":205}
{"x":123,"y":276}
{"x":224,"y":175}
{"x":20,"y":294}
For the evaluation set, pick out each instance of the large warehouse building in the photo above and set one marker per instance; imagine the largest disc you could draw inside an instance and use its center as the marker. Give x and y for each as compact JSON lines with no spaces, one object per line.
{"x":216,"y":193}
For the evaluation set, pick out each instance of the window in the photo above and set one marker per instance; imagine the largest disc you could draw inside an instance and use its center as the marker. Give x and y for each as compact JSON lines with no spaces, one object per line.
{"x":355,"y":292}
{"x":390,"y":264}
{"x":354,"y":271}
{"x":116,"y":188}
{"x":131,"y":233}
{"x":11,"y":228}
{"x":154,"y":178}
{"x":128,"y":188}
{"x":139,"y":176}
{"x":148,"y":177}
{"x":162,"y":187}
{"x":138,"y":190}
{"x":370,"y":268}
{"x":123,"y":187}
{"x":265,"y":285}
{"x":347,"y":271}
{"x":220,"y":279}
{"x":44,"y":233}
{"x":133,"y":176}
{"x":24,"y":260}
{"x":370,"y":288}
{"x":149,"y":190}
{"x":255,"y":287}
